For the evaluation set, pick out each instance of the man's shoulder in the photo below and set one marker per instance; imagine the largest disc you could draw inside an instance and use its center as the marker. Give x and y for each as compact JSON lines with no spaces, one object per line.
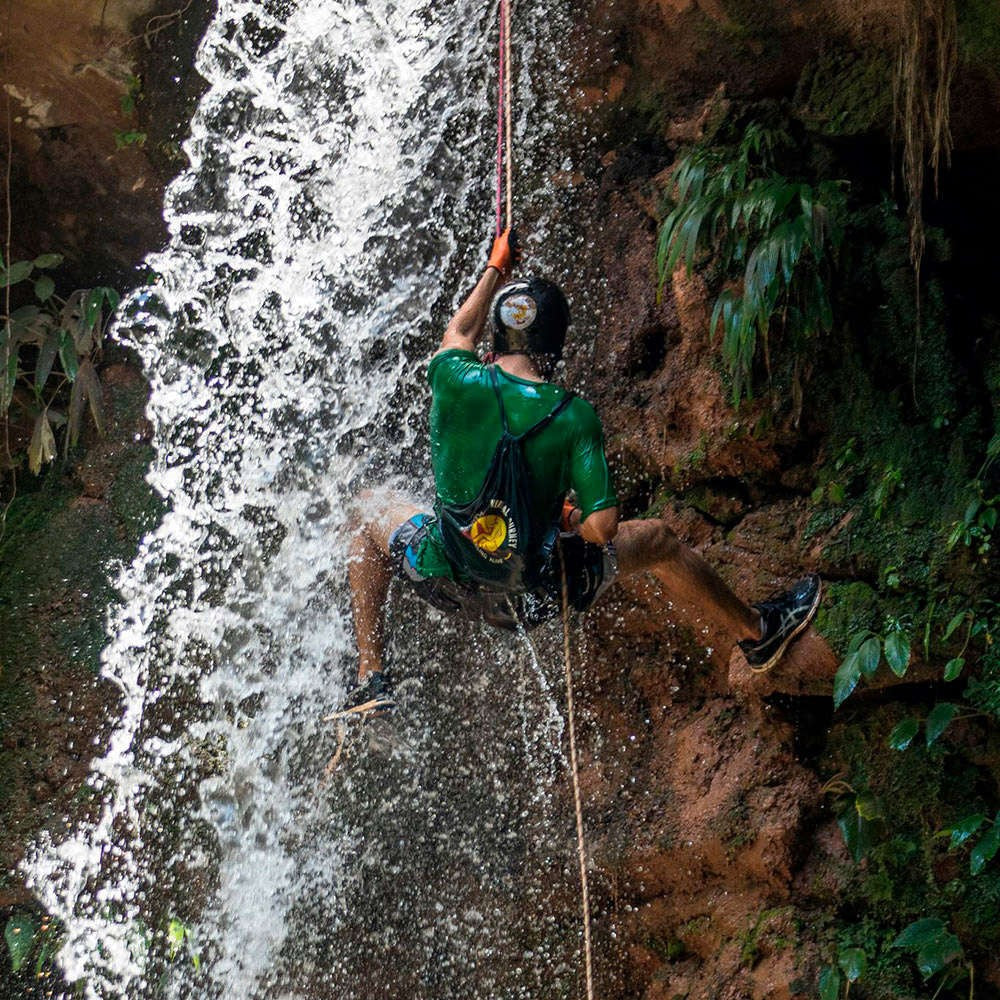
{"x":453,"y":360}
{"x":583,"y":414}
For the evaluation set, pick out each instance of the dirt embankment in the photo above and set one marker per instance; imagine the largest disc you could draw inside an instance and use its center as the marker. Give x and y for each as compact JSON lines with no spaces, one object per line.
{"x":722,"y":870}
{"x":99,"y":97}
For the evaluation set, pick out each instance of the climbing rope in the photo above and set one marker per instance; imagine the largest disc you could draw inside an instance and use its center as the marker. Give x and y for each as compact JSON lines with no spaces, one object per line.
{"x":505,"y":155}
{"x":581,"y":845}
{"x":505,"y":148}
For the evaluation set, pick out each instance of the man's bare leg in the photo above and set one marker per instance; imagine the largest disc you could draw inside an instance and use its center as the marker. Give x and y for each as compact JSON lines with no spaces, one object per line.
{"x":693,"y":587}
{"x":370,"y":571}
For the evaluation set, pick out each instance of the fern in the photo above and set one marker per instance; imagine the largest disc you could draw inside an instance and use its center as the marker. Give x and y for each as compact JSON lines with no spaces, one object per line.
{"x":778,"y":237}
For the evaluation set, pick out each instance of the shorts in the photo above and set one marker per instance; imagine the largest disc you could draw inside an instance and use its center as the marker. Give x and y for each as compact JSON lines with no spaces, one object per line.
{"x":590,"y":570}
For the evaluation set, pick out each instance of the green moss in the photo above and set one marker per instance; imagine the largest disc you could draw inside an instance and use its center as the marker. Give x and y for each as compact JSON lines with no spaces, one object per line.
{"x":846,"y":92}
{"x":979,"y":32}
{"x":847,"y":608}
{"x":133,"y":501}
{"x":667,"y":949}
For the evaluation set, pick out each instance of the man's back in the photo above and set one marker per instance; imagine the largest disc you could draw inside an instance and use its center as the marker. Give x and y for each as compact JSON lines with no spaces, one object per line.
{"x":465,"y":427}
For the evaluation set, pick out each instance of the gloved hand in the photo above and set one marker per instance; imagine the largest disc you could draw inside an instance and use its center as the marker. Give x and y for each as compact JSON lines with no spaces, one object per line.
{"x":570,"y":520}
{"x":506,"y":252}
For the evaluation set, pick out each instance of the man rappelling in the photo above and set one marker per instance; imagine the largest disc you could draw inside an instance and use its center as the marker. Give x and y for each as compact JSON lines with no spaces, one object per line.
{"x":503,"y":545}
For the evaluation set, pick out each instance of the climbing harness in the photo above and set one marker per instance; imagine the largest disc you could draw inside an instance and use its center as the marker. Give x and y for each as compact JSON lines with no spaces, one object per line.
{"x":581,"y":844}
{"x":505,"y":150}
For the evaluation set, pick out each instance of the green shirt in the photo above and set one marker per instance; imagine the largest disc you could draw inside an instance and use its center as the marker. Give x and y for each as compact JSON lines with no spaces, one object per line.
{"x":465,"y":428}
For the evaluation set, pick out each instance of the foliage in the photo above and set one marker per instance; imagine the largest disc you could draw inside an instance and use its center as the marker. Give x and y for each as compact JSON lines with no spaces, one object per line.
{"x":37,"y":335}
{"x":865,"y":653}
{"x":774,"y":242}
{"x":179,"y":938}
{"x":129,"y":100}
{"x":933,"y":945}
{"x":27,"y":936}
{"x":976,"y":527}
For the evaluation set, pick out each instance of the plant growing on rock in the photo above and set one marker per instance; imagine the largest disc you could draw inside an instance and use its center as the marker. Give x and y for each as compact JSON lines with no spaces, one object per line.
{"x":774,"y":242}
{"x":36,"y":336}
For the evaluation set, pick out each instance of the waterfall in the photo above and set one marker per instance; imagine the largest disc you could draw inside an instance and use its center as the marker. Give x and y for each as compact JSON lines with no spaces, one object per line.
{"x":336,"y":207}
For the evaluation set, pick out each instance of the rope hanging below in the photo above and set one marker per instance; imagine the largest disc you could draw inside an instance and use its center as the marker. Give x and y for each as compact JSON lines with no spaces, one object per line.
{"x":505,"y":148}
{"x":581,"y":845}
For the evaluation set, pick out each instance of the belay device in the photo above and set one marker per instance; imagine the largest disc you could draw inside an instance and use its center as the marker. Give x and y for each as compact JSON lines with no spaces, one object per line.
{"x":491,"y":538}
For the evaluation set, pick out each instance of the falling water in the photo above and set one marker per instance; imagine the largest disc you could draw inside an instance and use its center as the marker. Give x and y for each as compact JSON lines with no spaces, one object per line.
{"x":336,"y":206}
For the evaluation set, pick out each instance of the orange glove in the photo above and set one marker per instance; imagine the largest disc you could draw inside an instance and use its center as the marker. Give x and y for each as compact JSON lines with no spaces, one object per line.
{"x":506,"y":253}
{"x":566,"y":521}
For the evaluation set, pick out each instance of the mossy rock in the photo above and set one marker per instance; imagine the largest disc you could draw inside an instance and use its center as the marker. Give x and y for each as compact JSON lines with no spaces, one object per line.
{"x":844,"y":92}
{"x":847,"y":608}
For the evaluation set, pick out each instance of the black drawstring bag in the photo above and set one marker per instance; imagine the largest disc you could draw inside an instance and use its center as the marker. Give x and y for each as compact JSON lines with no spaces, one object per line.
{"x":492,"y":539}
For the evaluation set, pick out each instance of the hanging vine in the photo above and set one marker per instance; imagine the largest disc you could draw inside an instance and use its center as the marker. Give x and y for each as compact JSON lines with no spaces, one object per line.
{"x":921,"y":100}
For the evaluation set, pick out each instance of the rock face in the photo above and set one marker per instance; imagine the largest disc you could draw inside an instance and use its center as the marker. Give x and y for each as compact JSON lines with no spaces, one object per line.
{"x":712,"y":797}
{"x":713,"y":831}
{"x":95,"y":123}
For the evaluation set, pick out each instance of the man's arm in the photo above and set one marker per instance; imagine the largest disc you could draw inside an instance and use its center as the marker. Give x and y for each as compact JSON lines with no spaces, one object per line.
{"x":467,"y":325}
{"x":601,"y":526}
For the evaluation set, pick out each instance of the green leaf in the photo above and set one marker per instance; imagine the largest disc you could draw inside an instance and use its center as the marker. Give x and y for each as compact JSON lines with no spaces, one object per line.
{"x":853,"y":962}
{"x":112,"y":297}
{"x":48,"y":260}
{"x":829,"y":984}
{"x":902,"y":735}
{"x":868,"y":806}
{"x":954,"y":623}
{"x":90,"y":388}
{"x":869,"y":655}
{"x":44,"y":287}
{"x":965,"y":828}
{"x":920,"y":933}
{"x":897,"y":652}
{"x":985,"y":851}
{"x":20,"y":936}
{"x":939,"y":719}
{"x":857,"y":640}
{"x":176,"y":933}
{"x":934,"y":944}
{"x":953,"y":668}
{"x":92,"y":307}
{"x":67,"y":355}
{"x":846,"y":679}
{"x":46,"y":358}
{"x":17,"y":271}
{"x":857,"y":833}
{"x":935,"y":956}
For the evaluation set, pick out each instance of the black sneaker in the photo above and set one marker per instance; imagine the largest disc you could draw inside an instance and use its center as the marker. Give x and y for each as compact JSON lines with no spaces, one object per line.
{"x":372,"y":696}
{"x":782,"y":618}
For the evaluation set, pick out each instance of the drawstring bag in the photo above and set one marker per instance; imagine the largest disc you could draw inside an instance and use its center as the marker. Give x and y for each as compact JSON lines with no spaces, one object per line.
{"x":492,"y":539}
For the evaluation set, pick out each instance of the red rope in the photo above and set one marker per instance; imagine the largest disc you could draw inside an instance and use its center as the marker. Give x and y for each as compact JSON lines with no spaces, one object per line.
{"x":500,"y":117}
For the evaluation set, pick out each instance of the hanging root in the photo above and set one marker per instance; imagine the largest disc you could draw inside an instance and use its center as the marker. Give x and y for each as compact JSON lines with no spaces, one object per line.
{"x":921,"y":100}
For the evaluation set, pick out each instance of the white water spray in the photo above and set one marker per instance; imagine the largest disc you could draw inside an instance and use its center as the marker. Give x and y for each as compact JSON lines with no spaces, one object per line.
{"x":340,"y":172}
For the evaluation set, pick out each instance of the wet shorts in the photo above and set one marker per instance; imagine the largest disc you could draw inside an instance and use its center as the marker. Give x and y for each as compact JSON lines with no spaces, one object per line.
{"x":590,"y":570}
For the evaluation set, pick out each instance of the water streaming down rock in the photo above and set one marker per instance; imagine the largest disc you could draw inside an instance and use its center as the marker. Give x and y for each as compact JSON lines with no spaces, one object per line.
{"x":341,"y":169}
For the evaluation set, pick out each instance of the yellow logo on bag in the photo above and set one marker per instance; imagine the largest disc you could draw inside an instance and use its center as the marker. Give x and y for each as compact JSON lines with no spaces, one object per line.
{"x":488,"y":532}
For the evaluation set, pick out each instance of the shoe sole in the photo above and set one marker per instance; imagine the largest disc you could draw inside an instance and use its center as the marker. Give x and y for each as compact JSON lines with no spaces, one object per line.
{"x":804,"y":624}
{"x":375,"y":705}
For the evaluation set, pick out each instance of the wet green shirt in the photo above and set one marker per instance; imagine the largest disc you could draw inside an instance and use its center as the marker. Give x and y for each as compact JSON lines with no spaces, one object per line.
{"x":465,"y":428}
